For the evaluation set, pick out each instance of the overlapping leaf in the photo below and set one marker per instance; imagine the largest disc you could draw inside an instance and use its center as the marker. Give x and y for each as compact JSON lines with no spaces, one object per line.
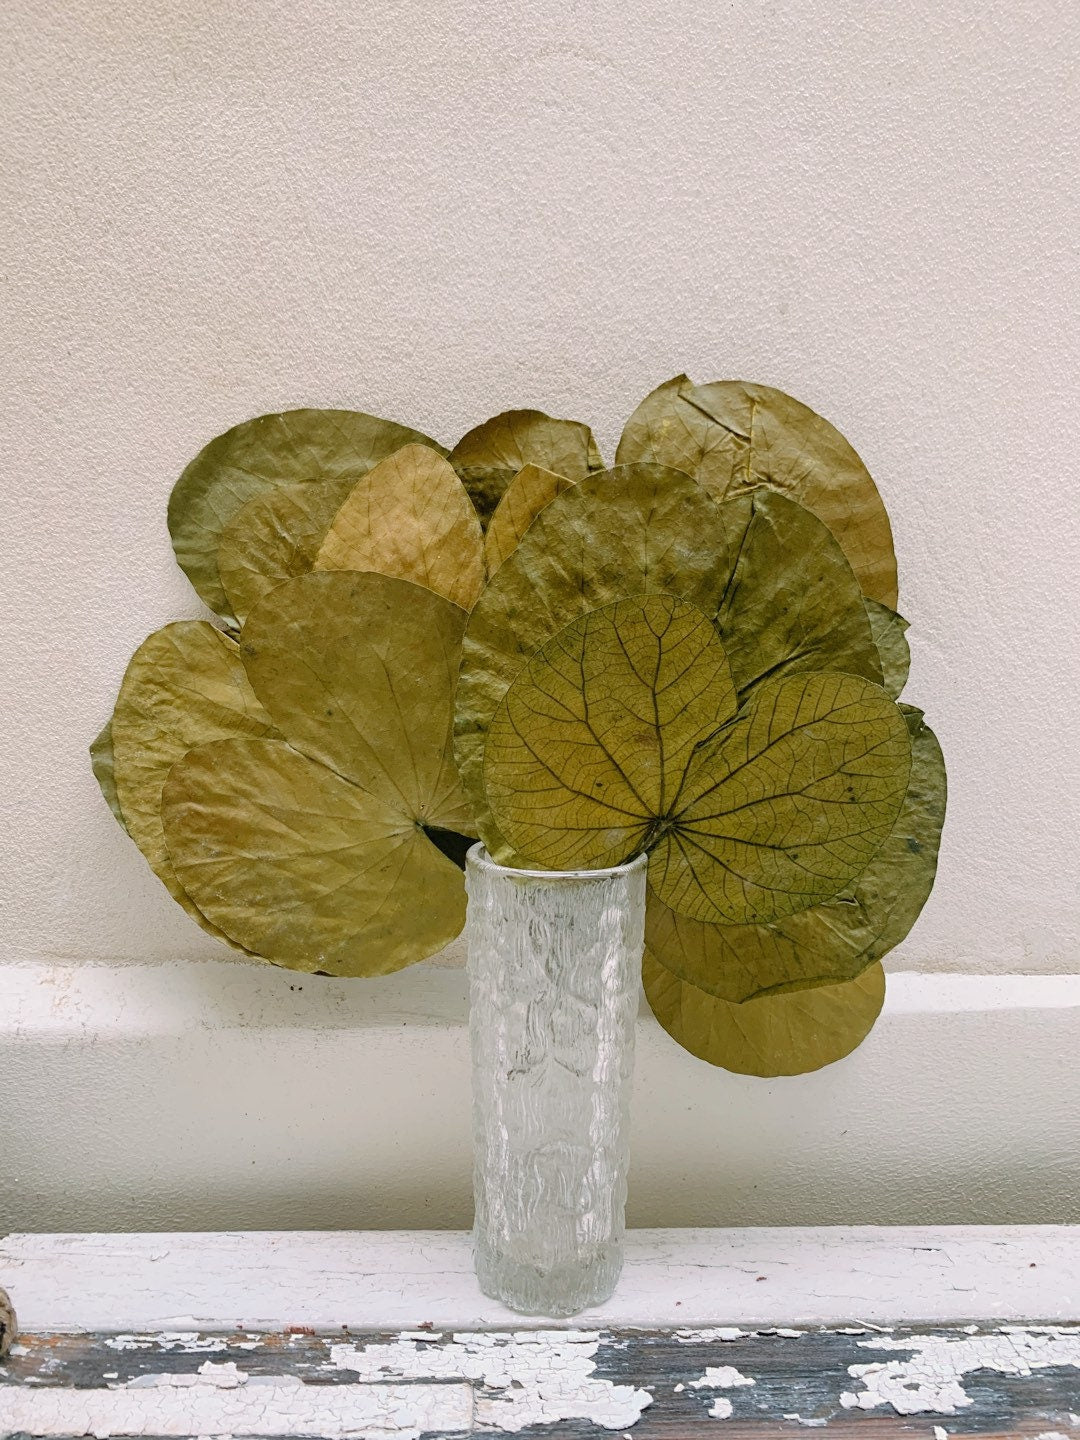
{"x":531,"y":489}
{"x":785,"y":1033}
{"x":489,"y":456}
{"x":832,"y":941}
{"x":613,"y":739}
{"x":184,"y":686}
{"x":275,"y":537}
{"x":787,"y":803}
{"x":791,"y":602}
{"x":103,"y":764}
{"x":315,"y":851}
{"x":314,"y":446}
{"x":734,"y":436}
{"x":411,"y":517}
{"x":630,"y":531}
{"x":890,"y":637}
{"x":590,"y":745}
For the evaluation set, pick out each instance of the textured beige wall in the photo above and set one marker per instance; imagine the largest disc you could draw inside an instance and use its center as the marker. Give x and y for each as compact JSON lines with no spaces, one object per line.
{"x":434,"y":211}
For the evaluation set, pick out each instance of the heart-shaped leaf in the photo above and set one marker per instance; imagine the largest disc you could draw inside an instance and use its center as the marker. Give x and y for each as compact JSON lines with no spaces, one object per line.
{"x":305,"y":867}
{"x":613,"y":740}
{"x":256,"y":457}
{"x":590,"y":744}
{"x":184,"y":686}
{"x":328,"y":852}
{"x":531,"y":489}
{"x":833,"y":941}
{"x":489,"y":457}
{"x":625,"y":532}
{"x":411,"y":517}
{"x":785,"y":804}
{"x":733,"y":436}
{"x":785,"y":1033}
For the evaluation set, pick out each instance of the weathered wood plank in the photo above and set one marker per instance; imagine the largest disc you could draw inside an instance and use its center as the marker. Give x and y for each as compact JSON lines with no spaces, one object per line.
{"x":853,"y":1381}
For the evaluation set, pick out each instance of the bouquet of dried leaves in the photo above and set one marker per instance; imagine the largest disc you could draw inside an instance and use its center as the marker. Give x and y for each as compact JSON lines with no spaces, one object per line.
{"x":695,"y":653}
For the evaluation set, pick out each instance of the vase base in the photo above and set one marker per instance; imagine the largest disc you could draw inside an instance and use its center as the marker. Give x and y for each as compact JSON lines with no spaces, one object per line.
{"x":559,"y":1291}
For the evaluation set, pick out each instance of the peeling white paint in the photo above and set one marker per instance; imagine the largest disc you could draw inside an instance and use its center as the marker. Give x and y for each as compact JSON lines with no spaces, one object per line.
{"x":930,"y":1379}
{"x":707,"y":1334}
{"x":720,"y":1409}
{"x":252,"y":1407}
{"x":721,"y":1377}
{"x":813,"y":1422}
{"x":536,"y":1377}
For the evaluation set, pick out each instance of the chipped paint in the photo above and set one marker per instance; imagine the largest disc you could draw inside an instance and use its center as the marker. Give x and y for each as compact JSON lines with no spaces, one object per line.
{"x":254,"y":1406}
{"x":706,"y":1334}
{"x":721,"y":1408}
{"x":721,"y":1377}
{"x":930,"y":1379}
{"x":534,"y":1377}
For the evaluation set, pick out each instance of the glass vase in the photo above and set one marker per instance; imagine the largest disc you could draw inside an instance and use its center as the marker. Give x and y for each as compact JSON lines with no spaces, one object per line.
{"x":554,"y":968}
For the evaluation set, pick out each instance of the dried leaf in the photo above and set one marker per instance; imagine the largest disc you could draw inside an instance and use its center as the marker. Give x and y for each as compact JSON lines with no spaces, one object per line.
{"x":837,"y":939}
{"x":304,"y":867}
{"x":890,"y":637}
{"x":256,"y":457}
{"x":489,"y":457}
{"x":787,"y":803}
{"x":276,"y":537}
{"x":590,"y":744}
{"x":792,"y":603}
{"x":625,"y":532}
{"x":733,"y":436}
{"x":612,"y":740}
{"x":358,"y":673}
{"x":411,"y":517}
{"x":102,"y":763}
{"x":531,"y":489}
{"x":788,"y":1033}
{"x":184,"y":686}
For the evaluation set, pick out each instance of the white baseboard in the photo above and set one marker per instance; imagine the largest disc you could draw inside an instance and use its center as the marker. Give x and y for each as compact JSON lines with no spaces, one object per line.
{"x":219,"y":1096}
{"x":393,"y":1279}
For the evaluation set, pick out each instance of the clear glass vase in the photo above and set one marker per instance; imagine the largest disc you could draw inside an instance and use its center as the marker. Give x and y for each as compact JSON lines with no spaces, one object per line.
{"x":554,"y":967}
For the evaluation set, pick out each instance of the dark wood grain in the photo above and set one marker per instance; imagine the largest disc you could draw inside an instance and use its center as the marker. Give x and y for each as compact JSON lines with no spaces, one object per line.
{"x":799,"y":1379}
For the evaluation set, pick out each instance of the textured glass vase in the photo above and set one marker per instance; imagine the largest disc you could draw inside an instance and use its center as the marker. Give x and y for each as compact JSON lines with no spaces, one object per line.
{"x":554,"y":967}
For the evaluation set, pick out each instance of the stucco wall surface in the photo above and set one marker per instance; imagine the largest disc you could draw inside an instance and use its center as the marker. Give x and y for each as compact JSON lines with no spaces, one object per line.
{"x":433,"y":212}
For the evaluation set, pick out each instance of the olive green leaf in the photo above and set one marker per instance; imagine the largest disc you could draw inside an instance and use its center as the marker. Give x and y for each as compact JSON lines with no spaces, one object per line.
{"x":784,"y":1033}
{"x":410,"y":516}
{"x":890,"y":637}
{"x":489,"y":457}
{"x":358,"y":673}
{"x":258,"y":456}
{"x":328,"y":852}
{"x":102,"y":762}
{"x":832,"y":941}
{"x":630,"y":531}
{"x":590,"y":744}
{"x":787,"y":803}
{"x":303,"y":866}
{"x":612,"y":740}
{"x":792,"y":602}
{"x":184,"y":686}
{"x":276,"y":537}
{"x":734,"y":436}
{"x":531,"y":489}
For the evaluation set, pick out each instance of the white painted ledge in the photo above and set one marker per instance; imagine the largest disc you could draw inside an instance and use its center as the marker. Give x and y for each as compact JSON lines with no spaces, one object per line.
{"x":225,"y":1096}
{"x":401,"y":1280}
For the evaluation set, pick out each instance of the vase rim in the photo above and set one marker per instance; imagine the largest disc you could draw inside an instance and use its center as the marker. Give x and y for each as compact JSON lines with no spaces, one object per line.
{"x":477,"y":856}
